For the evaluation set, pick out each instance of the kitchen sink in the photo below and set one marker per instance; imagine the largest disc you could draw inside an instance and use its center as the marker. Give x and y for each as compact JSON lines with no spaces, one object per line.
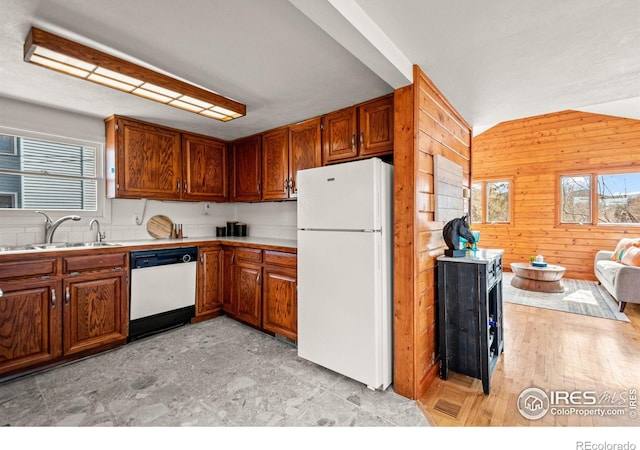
{"x":16,"y":248}
{"x":92,"y":244}
{"x":55,"y":245}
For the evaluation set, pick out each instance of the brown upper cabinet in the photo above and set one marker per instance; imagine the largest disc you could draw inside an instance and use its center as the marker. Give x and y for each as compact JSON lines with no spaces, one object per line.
{"x":284,"y":152}
{"x":305,"y":149}
{"x":359,"y":131}
{"x":204,"y":169}
{"x":155,"y":162}
{"x":275,"y":164}
{"x":150,"y":161}
{"x":246,"y":169}
{"x":143,"y":160}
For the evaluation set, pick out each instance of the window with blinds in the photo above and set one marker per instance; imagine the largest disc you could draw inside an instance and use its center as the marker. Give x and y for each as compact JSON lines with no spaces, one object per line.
{"x":41,"y":174}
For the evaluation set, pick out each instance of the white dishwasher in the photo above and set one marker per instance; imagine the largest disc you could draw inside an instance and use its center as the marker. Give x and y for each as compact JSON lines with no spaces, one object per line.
{"x":163,"y":289}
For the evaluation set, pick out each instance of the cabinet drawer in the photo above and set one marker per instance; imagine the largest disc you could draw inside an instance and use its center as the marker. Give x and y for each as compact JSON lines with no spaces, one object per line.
{"x":93,"y":262}
{"x":280,"y":258}
{"x":249,"y":254}
{"x":31,"y":269}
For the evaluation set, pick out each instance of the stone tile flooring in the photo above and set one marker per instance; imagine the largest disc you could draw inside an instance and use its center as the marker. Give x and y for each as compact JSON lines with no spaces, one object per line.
{"x":214,"y":373}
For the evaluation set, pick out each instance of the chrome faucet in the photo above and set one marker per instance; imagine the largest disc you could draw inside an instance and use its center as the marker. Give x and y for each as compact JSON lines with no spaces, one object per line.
{"x":99,"y":236}
{"x":50,"y":227}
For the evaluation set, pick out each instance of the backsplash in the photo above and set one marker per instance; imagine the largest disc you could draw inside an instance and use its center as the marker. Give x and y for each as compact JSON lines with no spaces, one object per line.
{"x":271,"y":220}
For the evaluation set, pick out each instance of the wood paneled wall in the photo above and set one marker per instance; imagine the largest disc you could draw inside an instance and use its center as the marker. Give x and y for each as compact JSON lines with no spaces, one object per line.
{"x":425,"y":125}
{"x":533,"y":152}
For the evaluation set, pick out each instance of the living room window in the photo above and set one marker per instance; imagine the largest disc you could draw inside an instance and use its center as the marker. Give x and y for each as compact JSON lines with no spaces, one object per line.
{"x":575,"y":199}
{"x":600,"y":198}
{"x":47,"y":174}
{"x":491,"y":201}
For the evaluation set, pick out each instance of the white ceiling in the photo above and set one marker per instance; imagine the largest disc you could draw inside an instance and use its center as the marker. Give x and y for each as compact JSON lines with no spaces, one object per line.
{"x":288,"y":60}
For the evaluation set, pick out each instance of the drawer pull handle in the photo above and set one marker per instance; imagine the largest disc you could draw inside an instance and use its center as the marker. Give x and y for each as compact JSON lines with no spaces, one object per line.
{"x":53,"y":298}
{"x":67,"y":296}
{"x":1,"y":293}
{"x":258,"y":280}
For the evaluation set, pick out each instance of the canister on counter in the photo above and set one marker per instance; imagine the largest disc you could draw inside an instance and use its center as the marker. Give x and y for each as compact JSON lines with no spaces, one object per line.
{"x":221,"y":231}
{"x":240,"y":229}
{"x":231,"y":228}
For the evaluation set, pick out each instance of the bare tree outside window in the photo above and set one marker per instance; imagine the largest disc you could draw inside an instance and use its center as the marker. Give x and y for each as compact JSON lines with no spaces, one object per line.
{"x":619,"y":198}
{"x":575,"y":199}
{"x":498,"y":201}
{"x":476,"y":203}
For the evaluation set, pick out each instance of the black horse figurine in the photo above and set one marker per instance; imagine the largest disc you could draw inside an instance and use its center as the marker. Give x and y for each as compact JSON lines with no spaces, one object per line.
{"x":452,"y":232}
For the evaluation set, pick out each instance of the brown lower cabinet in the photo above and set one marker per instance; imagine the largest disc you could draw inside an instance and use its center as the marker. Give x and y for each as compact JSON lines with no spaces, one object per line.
{"x":280,"y":306}
{"x":30,"y":324}
{"x":94,"y":308}
{"x":53,"y":309}
{"x":246,"y":292}
{"x":80,"y":306}
{"x":228,"y":303}
{"x":259,"y":288}
{"x":209,"y":286}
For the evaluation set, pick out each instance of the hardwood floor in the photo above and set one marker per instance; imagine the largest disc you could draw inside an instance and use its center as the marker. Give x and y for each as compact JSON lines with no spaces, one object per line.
{"x":550,"y":350}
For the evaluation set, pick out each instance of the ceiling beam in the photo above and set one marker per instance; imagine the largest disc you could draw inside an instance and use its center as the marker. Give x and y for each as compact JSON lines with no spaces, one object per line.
{"x":347,"y":23}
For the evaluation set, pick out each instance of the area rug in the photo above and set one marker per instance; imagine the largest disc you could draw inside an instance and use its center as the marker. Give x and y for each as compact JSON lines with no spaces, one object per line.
{"x":580,"y":297}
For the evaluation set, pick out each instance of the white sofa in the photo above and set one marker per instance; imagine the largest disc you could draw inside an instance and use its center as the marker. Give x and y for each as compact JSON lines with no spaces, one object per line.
{"x":620,"y":280}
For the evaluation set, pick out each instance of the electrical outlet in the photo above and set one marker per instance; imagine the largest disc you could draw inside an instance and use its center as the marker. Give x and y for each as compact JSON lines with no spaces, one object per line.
{"x":206,"y":207}
{"x":137,"y":219}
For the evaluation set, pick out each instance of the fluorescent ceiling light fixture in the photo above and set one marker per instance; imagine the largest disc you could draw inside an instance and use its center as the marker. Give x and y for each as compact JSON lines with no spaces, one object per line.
{"x":65,"y":56}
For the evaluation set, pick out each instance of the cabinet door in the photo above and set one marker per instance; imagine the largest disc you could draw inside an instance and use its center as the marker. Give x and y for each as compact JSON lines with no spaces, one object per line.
{"x":149,"y":161}
{"x":204,"y":169}
{"x":95,"y":311}
{"x":247,"y":292}
{"x":228,"y":300}
{"x":339,"y":138}
{"x":30,"y":324}
{"x":280,"y":313}
{"x":376,"y":127}
{"x":305,"y":151}
{"x":209,"y":299}
{"x":275,"y":164}
{"x":246,"y":169}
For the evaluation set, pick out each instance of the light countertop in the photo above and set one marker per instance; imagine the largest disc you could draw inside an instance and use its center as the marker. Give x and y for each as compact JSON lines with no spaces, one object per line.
{"x":481,"y":256}
{"x":277,"y":244}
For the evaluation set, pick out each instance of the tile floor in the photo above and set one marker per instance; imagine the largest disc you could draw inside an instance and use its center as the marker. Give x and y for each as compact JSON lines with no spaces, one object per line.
{"x":214,"y":373}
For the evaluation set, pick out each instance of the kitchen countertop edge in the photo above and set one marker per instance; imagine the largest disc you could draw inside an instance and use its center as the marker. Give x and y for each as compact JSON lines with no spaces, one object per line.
{"x":275,"y":244}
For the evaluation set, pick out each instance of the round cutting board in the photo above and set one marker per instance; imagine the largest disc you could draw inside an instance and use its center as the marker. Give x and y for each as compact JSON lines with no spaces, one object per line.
{"x":160,"y":227}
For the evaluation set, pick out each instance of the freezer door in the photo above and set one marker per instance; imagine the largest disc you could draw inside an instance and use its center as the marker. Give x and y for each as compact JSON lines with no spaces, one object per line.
{"x":340,"y":197}
{"x":343,"y":319}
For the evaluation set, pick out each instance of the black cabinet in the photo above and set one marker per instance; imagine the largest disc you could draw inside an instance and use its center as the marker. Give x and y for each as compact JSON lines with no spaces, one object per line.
{"x":470,"y":315}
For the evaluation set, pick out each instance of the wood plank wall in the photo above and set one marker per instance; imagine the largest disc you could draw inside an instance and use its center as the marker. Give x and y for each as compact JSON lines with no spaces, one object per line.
{"x":425,"y":125}
{"x":533,"y":152}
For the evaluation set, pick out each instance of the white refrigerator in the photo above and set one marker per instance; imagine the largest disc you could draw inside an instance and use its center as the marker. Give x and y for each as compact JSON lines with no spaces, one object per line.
{"x":345,"y":248}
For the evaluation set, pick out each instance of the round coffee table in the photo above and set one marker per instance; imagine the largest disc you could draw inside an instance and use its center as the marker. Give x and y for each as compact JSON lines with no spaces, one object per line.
{"x":539,"y":279}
